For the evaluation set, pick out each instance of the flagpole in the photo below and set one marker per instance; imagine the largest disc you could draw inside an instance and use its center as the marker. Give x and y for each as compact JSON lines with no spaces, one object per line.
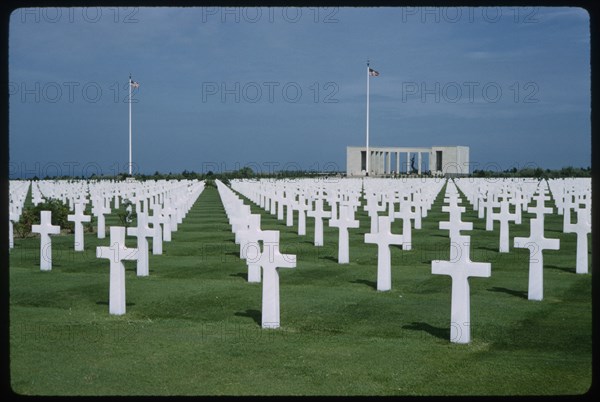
{"x":129,"y":124}
{"x":367,"y":152}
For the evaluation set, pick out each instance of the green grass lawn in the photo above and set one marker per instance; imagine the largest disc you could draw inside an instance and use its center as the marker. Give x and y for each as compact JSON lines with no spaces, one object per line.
{"x":193,"y":326}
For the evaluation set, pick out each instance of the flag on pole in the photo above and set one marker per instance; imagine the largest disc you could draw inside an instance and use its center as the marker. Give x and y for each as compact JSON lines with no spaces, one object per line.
{"x":373,"y":73}
{"x":134,"y":84}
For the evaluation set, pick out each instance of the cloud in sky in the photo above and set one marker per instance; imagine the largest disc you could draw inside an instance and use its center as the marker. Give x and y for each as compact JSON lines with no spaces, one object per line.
{"x":227,"y":86}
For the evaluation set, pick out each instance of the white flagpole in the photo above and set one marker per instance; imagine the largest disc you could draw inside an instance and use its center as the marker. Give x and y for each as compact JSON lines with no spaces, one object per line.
{"x":129,"y":124}
{"x":367,"y":152}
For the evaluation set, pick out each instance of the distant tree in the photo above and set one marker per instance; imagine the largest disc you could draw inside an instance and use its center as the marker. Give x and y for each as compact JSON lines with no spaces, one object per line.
{"x":246,"y":172}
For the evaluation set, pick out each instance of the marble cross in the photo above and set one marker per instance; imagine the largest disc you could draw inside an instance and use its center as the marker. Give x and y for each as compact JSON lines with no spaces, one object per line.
{"x":270,"y":259}
{"x":536,"y":243}
{"x":343,"y":223}
{"x":99,"y":210}
{"x":289,"y":203}
{"x":454,"y":225}
{"x":142,"y":231}
{"x":319,"y":213}
{"x":280,"y":204}
{"x":116,"y":253}
{"x":13,"y":217}
{"x":79,"y":218}
{"x":383,"y":238}
{"x":583,"y":227}
{"x":460,"y":270}
{"x":45,"y":229}
{"x":156,"y":219}
{"x":406,"y":214}
{"x":490,"y":203}
{"x":248,"y":239}
{"x":504,"y":216}
{"x":302,"y":206}
{"x":373,"y":208}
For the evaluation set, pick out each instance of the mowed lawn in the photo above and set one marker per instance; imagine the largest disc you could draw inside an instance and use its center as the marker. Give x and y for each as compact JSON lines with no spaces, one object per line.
{"x":193,"y":326}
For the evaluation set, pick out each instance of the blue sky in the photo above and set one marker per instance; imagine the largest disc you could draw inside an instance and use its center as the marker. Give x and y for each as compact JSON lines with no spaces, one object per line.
{"x":222,"y":88}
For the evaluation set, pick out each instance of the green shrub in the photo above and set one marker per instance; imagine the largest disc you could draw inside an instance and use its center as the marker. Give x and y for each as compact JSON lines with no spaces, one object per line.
{"x":126,"y":217}
{"x":31,"y":216}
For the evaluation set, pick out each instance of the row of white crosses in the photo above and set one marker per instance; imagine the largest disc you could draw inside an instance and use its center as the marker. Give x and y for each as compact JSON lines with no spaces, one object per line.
{"x":117,"y":252}
{"x":413,"y":205}
{"x":537,"y":242}
{"x":460,"y":267}
{"x":493,"y":201}
{"x":386,"y":190}
{"x":568,"y":194}
{"x":145,"y":194}
{"x":307,"y":196}
{"x":246,"y":227}
{"x":17,"y":192}
{"x":414,"y":198}
{"x":183,"y":194}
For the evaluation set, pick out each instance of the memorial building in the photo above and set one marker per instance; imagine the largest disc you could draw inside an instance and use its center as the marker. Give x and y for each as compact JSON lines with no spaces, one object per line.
{"x":388,"y":161}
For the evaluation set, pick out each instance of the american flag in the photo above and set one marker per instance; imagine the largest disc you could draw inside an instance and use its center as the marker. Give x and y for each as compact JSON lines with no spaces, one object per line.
{"x":373,"y":73}
{"x":134,"y":84}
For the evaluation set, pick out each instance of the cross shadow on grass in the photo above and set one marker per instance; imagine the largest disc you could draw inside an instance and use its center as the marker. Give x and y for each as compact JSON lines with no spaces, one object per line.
{"x":242,"y":275}
{"x":365,"y":282}
{"x":518,"y":293}
{"x":438,"y":332}
{"x":565,"y":269}
{"x":494,"y":249}
{"x":330,"y":258}
{"x":254,"y":314}
{"x":105,"y":303}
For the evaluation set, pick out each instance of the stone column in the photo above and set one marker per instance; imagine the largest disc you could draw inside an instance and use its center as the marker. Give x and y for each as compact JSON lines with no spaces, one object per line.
{"x":397,"y":163}
{"x":419,"y":159}
{"x":389,"y":162}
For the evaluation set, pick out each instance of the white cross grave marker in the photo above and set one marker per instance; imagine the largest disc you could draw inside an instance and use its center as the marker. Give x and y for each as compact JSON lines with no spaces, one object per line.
{"x":78,"y":219}
{"x":319,"y":213}
{"x":303,"y":206}
{"x":142,"y":231}
{"x":99,"y":210}
{"x":383,"y":238}
{"x":504,"y":216}
{"x":490,"y":203}
{"x":280,"y":204}
{"x":12,"y":218}
{"x":248,"y":238}
{"x":454,"y":225}
{"x":289,"y":203}
{"x":155,"y":219}
{"x":373,"y":207}
{"x":270,"y":259}
{"x":406,"y":214}
{"x":460,"y":270}
{"x":343,"y":223}
{"x":582,"y":228}
{"x":116,"y":253}
{"x":45,"y":229}
{"x":536,"y":243}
